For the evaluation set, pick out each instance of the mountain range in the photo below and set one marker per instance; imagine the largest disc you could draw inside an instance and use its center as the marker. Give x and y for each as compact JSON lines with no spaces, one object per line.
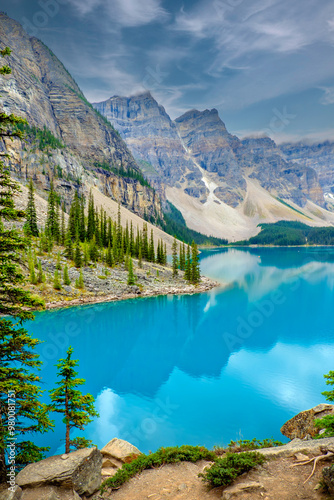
{"x":222,"y":185}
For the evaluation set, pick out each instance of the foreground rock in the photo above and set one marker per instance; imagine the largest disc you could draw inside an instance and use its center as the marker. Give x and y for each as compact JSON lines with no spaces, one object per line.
{"x":80,"y":471}
{"x":115,"y":454}
{"x":14,"y":493}
{"x":49,"y":493}
{"x":302,"y":425}
{"x":236,"y":491}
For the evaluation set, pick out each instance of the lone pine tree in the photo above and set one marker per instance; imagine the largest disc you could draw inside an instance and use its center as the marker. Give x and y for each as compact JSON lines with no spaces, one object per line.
{"x":78,"y":409}
{"x":30,"y":225}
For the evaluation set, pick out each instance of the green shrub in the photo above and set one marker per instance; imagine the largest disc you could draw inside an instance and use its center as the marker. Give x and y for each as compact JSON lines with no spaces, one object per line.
{"x":327,"y":423}
{"x":226,"y":470}
{"x":253,"y":444}
{"x":161,"y":457}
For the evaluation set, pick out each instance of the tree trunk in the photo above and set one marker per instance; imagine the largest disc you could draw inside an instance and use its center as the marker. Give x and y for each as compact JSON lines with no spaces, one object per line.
{"x":67,"y":442}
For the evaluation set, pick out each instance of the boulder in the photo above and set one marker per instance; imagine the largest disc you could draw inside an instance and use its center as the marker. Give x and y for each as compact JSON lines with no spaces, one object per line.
{"x":120,"y":450}
{"x":14,"y":493}
{"x":79,"y":470}
{"x":328,"y":477}
{"x":49,"y":493}
{"x":236,"y":490}
{"x":302,"y":424}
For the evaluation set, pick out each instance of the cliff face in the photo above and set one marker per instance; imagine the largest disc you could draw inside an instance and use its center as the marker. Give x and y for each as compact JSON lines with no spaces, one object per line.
{"x":197,"y":145}
{"x":318,"y":156}
{"x":41,"y":90}
{"x":152,"y":138}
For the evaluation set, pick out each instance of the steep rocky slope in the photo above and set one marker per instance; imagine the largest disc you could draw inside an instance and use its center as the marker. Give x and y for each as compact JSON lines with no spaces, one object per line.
{"x":320,"y":157}
{"x":41,"y":90}
{"x":222,"y":185}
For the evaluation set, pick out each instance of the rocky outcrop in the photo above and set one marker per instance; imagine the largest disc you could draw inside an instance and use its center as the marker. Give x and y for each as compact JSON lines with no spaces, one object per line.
{"x":120,"y":450}
{"x":302,"y":425}
{"x":79,"y":471}
{"x":41,"y":90}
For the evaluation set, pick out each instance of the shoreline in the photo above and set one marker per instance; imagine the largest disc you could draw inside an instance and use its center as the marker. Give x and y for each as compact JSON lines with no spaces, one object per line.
{"x":206,"y":285}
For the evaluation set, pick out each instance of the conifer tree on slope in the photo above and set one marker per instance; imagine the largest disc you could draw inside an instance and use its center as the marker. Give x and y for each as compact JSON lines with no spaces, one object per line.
{"x":68,"y":400}
{"x":30,"y":225}
{"x":17,"y":356}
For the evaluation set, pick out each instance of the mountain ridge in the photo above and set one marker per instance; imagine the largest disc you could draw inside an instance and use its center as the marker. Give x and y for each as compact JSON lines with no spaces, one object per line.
{"x":196,"y":151}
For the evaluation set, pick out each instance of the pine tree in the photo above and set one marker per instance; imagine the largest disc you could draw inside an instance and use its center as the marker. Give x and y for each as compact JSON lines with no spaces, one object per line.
{"x":140,"y":261}
{"x":68,"y":246}
{"x":18,"y":361}
{"x":145,"y":242}
{"x":165,"y":254}
{"x":131,"y":276}
{"x":68,"y":400}
{"x":91,"y":217}
{"x":151,"y":248}
{"x":175,"y":260}
{"x":58,"y":263}
{"x":66,"y":278}
{"x":40,"y":274}
{"x":82,"y":225}
{"x":79,"y":282}
{"x":56,"y":281}
{"x":188,"y":266}
{"x":195,"y":265}
{"x":109,"y":257}
{"x":182,"y":257}
{"x":77,"y":255}
{"x":30,"y":226}
{"x":93,"y":250}
{"x":52,"y":222}
{"x":74,"y":218}
{"x":62,"y":227}
{"x":33,"y":278}
{"x":132,"y":242}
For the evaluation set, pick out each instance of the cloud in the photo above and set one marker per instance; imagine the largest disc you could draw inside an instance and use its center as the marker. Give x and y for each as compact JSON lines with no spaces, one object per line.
{"x":125,"y":13}
{"x":328,"y":96}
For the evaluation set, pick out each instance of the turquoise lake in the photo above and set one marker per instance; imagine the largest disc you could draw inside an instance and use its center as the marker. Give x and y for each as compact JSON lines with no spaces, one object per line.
{"x":234,"y":363}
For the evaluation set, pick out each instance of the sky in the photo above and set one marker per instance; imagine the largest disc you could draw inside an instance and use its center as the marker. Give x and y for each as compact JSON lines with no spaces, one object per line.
{"x":266,"y":65}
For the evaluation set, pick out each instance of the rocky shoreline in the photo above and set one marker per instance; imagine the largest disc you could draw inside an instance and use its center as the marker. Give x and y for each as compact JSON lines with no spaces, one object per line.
{"x":205,"y":285}
{"x":101,"y":284}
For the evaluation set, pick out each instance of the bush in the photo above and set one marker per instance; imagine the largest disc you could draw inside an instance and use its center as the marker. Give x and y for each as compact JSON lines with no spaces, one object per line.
{"x":226,"y":470}
{"x":254,"y":444}
{"x":161,"y":457}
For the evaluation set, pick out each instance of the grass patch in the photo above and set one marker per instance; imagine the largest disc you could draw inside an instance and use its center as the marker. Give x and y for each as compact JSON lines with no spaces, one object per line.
{"x":163,"y":456}
{"x":226,"y":470}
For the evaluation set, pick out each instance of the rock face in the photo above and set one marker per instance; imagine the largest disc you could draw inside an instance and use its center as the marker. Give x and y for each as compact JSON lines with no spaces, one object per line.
{"x":302,"y":425}
{"x":151,"y":136}
{"x":198,"y":141}
{"x":14,"y":493}
{"x":319,"y":156}
{"x":80,"y":471}
{"x":41,"y":90}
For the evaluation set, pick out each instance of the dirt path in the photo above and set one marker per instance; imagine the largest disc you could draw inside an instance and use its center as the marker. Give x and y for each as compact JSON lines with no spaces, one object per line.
{"x":278,"y":481}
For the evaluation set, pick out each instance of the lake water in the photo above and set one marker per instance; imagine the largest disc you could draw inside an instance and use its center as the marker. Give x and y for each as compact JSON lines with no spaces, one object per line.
{"x":233,"y":363}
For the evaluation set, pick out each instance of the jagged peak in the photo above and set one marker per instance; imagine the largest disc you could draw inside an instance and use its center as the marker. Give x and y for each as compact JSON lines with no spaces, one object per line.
{"x":194,"y":113}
